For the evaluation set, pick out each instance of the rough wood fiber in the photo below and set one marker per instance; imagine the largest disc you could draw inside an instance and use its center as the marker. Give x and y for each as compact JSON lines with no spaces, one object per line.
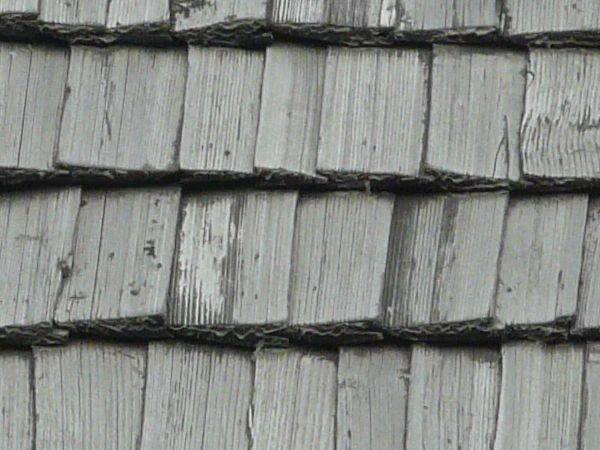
{"x":590,"y":413}
{"x":453,"y":398}
{"x":476,"y":115}
{"x":32,"y":83}
{"x":197,"y":398}
{"x":294,"y":400}
{"x":363,"y":14}
{"x":338,"y":262}
{"x":122,"y":256}
{"x":123,"y":109}
{"x":299,"y":11}
{"x":127,"y":12}
{"x":36,"y":229}
{"x":19,"y":7}
{"x":290,"y":112}
{"x":540,"y":260}
{"x":191,"y":14}
{"x":419,"y":15}
{"x":374,"y":116}
{"x":560,"y":134}
{"x":89,"y":395}
{"x":443,"y":258}
{"x":222,"y":107}
{"x":233,"y":260}
{"x":16,"y":401}
{"x":588,"y":306}
{"x":540,"y":399}
{"x":372,"y":397}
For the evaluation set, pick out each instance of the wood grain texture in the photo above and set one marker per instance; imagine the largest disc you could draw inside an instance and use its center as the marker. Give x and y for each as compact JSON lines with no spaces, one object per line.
{"x":232,"y":265}
{"x":338,"y":263}
{"x":299,"y":11}
{"x":374,"y":116}
{"x":32,"y":83}
{"x":36,"y":229}
{"x":453,"y":398}
{"x":123,"y":109}
{"x":290,"y":113}
{"x":540,"y":399}
{"x":222,"y":107}
{"x":417,"y":15}
{"x":551,"y":16}
{"x":16,"y":401}
{"x":372,"y":397}
{"x":197,"y":398}
{"x":560,"y":133}
{"x":443,"y":258}
{"x":363,"y":14}
{"x":191,"y":14}
{"x":127,"y":12}
{"x":540,"y":260}
{"x":77,"y":12}
{"x":588,"y":306}
{"x":122,"y":256}
{"x":294,"y":400}
{"x":19,"y":7}
{"x":590,"y":412}
{"x":89,"y":395}
{"x":476,"y":112}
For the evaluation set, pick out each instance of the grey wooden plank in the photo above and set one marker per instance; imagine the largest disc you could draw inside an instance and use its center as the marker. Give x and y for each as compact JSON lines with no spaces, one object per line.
{"x":16,"y":401}
{"x":124,"y":108}
{"x":372,"y":397}
{"x":197,"y":397}
{"x":19,"y":7}
{"x":290,"y":113}
{"x":79,"y":12}
{"x":588,"y":306}
{"x":294,"y":400}
{"x":540,"y":400}
{"x":590,"y":412}
{"x":122,"y":256}
{"x":374,"y":111}
{"x":453,"y":398}
{"x":222,"y":107}
{"x":233,"y":260}
{"x":443,"y":258}
{"x":89,"y":395}
{"x":299,"y":11}
{"x":36,"y":229}
{"x":560,"y":134}
{"x":417,"y":15}
{"x":124,"y":13}
{"x":361,"y":14}
{"x":191,"y":14}
{"x":540,"y":260}
{"x":32,"y":83}
{"x":338,"y":261}
{"x":476,"y":112}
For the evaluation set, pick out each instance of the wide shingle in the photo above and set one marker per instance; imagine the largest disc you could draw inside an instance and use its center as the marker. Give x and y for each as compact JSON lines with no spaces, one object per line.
{"x":16,"y":401}
{"x":19,"y":7}
{"x":191,"y":14}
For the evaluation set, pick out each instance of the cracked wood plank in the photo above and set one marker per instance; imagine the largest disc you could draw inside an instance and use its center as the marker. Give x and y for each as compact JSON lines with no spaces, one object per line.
{"x":198,"y":14}
{"x":16,"y":401}
{"x":588,"y":307}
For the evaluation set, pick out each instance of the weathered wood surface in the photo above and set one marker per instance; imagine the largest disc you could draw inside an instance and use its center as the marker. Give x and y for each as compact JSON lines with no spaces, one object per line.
{"x":560,"y":134}
{"x":29,"y":7}
{"x":193,"y":14}
{"x":123,"y":108}
{"x":476,"y":112}
{"x":375,"y":112}
{"x":16,"y":401}
{"x":294,"y":400}
{"x":222,"y":108}
{"x":372,"y":397}
{"x":590,"y":413}
{"x":419,"y":15}
{"x":233,"y":261}
{"x":123,"y":13}
{"x":299,"y":11}
{"x":36,"y":229}
{"x":338,"y":263}
{"x":197,"y":398}
{"x":32,"y":84}
{"x":443,"y":258}
{"x":588,"y":306}
{"x":290,"y":116}
{"x":361,"y":14}
{"x":89,"y":395}
{"x":540,"y":260}
{"x":540,"y":400}
{"x":123,"y":251}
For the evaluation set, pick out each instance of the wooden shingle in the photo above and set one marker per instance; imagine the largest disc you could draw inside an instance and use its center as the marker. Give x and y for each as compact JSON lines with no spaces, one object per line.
{"x":299,"y":11}
{"x":197,"y":397}
{"x":590,"y":413}
{"x":361,"y":14}
{"x":191,"y":14}
{"x":588,"y":307}
{"x":476,"y":112}
{"x":122,"y":255}
{"x":16,"y":401}
{"x":19,"y":7}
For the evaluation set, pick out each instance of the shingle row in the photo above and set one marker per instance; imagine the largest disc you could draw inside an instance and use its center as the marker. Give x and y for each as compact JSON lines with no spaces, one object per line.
{"x":411,"y":264}
{"x":177,"y":395}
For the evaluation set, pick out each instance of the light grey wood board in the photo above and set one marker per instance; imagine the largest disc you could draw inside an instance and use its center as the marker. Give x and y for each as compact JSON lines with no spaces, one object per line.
{"x":590,"y":411}
{"x":89,"y":395}
{"x":16,"y":401}
{"x":361,"y":14}
{"x":299,"y":11}
{"x":197,"y":397}
{"x":588,"y":306}
{"x":191,"y":14}
{"x":417,"y":15}
{"x":19,"y":7}
{"x":122,"y":256}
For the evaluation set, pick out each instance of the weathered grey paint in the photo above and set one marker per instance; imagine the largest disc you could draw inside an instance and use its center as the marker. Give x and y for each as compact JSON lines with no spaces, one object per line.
{"x":419,"y":15}
{"x":191,"y":14}
{"x":588,"y":306}
{"x":16,"y":401}
{"x":89,"y":395}
{"x":590,"y":413}
{"x":19,"y":6}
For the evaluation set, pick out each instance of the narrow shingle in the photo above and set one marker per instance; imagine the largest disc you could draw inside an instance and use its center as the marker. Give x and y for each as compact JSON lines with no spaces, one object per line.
{"x":294,"y":400}
{"x":222,"y":107}
{"x":16,"y":401}
{"x":89,"y":395}
{"x":476,"y":111}
{"x":590,"y":413}
{"x":191,"y":14}
{"x":372,"y":397}
{"x":540,"y":400}
{"x":197,"y":398}
{"x":588,"y":307}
